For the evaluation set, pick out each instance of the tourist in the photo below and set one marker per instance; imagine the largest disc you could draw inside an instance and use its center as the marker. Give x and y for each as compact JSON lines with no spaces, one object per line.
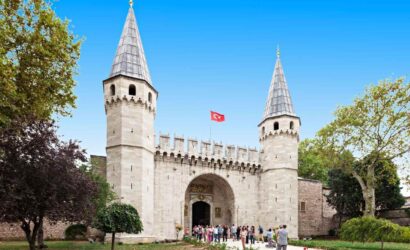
{"x":215,"y":233}
{"x":247,"y":235}
{"x":195,"y":231}
{"x":244,"y":234}
{"x":252,"y":235}
{"x":269,"y":236}
{"x":210,"y":232}
{"x":220,"y":232}
{"x":233,"y":232}
{"x":206,"y":233}
{"x":282,"y":238}
{"x":238,"y":233}
{"x":225,"y":233}
{"x":260,"y":236}
{"x":200,"y":232}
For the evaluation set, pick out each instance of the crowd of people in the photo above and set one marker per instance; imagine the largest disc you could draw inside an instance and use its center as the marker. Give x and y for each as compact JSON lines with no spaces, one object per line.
{"x":275,"y":237}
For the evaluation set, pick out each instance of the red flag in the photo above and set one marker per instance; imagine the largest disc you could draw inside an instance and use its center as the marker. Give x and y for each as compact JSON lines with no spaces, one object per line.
{"x":217,"y":117}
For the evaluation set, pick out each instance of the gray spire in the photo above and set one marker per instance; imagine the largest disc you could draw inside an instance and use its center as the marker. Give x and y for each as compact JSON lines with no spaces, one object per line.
{"x":279,"y":101}
{"x":130,"y":58}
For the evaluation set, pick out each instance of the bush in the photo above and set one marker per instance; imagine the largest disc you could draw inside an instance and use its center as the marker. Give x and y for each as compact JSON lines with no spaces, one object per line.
{"x":76,"y":231}
{"x":371,"y":229}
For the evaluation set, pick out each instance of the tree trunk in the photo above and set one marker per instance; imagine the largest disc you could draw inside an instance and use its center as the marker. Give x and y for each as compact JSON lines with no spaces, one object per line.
{"x":40,"y":236}
{"x":369,"y":194}
{"x":30,"y":235}
{"x":368,"y":191}
{"x":113,"y":241}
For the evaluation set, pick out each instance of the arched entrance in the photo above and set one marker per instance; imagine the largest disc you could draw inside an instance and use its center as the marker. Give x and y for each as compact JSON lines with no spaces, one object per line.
{"x":209,"y":200}
{"x":201,"y":213}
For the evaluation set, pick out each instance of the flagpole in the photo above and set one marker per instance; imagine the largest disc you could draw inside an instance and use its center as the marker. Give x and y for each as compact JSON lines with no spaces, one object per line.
{"x":210,"y":132}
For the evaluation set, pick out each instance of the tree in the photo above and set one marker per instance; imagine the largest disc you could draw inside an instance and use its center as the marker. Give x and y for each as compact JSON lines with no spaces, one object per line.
{"x":105,"y":194}
{"x":39,"y":178}
{"x":118,"y":218}
{"x":346,"y":196}
{"x":38,"y":59}
{"x":312,"y":164}
{"x":375,"y":124}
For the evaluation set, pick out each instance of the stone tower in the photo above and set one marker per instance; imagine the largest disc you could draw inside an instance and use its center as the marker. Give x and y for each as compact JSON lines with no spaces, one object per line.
{"x":279,"y":137}
{"x":130,"y":104}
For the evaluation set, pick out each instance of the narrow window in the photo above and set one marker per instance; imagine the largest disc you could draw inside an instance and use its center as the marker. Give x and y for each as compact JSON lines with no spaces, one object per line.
{"x":131,"y":185}
{"x":131,"y":90}
{"x":303,"y":206}
{"x":276,"y":126}
{"x":263,"y":131}
{"x":112,"y":89}
{"x":291,"y":125}
{"x":149,"y":97}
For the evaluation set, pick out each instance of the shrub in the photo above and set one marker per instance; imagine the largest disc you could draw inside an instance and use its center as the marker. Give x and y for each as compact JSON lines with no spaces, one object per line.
{"x":76,"y":231}
{"x":371,"y":229}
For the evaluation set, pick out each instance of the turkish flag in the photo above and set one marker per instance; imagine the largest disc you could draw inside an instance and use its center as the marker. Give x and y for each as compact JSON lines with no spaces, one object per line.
{"x":217,"y":117}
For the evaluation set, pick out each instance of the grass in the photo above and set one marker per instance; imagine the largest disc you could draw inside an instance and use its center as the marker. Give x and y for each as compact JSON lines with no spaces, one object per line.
{"x":81,"y":245}
{"x":345,"y":245}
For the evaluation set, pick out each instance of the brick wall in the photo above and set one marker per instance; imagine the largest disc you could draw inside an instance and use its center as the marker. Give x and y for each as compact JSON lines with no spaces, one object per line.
{"x":315,"y":215}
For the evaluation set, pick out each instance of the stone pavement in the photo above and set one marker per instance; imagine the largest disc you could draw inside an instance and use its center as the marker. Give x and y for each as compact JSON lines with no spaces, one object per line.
{"x":259,"y":246}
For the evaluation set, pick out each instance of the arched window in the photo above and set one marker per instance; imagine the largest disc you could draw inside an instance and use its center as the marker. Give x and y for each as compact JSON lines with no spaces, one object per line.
{"x":112,"y":89}
{"x":263,"y":131}
{"x":276,"y":126}
{"x":291,"y":125}
{"x":131,"y":90}
{"x":149,"y":97}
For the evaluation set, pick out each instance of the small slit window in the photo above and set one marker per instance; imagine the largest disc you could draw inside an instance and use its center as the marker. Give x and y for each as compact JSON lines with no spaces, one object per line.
{"x":112,"y":89}
{"x":291,"y":125}
{"x":149,"y":97}
{"x":276,"y":126}
{"x":132,"y":90}
{"x":303,"y":206}
{"x":263,"y":131}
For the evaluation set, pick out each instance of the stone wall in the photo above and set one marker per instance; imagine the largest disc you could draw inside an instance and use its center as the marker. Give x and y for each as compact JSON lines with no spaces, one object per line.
{"x":399,"y":216}
{"x":315,"y":215}
{"x":12,"y":231}
{"x":173,"y":175}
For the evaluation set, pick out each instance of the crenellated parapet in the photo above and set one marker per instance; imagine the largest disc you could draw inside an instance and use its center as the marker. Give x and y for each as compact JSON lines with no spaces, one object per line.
{"x":290,"y":132}
{"x":112,"y":100}
{"x":207,"y":153}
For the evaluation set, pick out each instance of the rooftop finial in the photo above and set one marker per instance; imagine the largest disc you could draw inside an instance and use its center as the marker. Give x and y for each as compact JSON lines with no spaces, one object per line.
{"x":278,"y":52}
{"x":131,"y":3}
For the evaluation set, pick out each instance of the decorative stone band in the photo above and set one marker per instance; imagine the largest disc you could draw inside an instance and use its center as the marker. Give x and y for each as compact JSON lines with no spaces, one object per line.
{"x":205,"y":153}
{"x":289,"y":132}
{"x":209,"y":162}
{"x":129,"y":99}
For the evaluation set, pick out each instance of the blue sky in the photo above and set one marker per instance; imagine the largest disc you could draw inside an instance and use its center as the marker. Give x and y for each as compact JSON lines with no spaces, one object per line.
{"x":219,"y":55}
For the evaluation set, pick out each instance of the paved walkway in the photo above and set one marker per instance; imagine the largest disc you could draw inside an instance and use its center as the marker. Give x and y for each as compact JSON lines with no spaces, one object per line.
{"x":259,"y":246}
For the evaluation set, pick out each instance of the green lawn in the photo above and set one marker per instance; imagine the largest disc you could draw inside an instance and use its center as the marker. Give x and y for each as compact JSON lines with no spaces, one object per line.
{"x":70,"y":245}
{"x":344,"y":245}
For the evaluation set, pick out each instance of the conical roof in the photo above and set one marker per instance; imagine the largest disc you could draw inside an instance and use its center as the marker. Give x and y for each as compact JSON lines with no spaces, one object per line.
{"x":279,"y":101}
{"x":130,"y":57}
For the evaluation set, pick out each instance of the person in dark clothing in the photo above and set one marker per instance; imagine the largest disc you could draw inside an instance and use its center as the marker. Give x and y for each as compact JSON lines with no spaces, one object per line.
{"x":225,"y":233}
{"x":238,"y":233}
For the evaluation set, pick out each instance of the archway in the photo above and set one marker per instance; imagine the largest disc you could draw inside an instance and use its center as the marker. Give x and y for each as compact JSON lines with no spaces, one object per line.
{"x":209,"y":192}
{"x":201,"y":213}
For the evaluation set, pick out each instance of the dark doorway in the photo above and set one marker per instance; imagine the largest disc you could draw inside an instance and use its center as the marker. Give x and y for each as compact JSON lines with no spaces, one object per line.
{"x":201,"y":213}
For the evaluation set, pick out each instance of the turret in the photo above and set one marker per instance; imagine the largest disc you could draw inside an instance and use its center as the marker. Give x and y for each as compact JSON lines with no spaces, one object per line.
{"x":279,"y":137}
{"x":130,"y":105}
